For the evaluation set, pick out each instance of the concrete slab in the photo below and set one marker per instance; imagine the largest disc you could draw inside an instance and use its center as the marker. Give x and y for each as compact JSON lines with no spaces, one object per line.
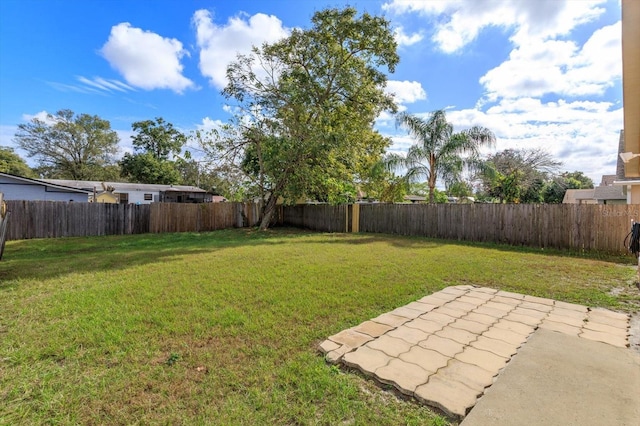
{"x":556,"y":379}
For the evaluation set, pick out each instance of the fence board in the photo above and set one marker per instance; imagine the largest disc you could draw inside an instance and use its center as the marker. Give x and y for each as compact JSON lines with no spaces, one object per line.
{"x":561,"y":226}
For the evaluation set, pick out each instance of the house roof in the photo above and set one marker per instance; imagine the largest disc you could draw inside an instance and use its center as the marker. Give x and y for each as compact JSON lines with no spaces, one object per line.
{"x":46,"y":183}
{"x":89,"y":185}
{"x":608,"y":180}
{"x":415,"y":198}
{"x":608,"y":193}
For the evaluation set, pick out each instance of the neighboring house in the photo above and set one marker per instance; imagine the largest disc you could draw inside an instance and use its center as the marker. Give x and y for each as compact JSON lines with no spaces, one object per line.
{"x":414,"y":199}
{"x":605,"y":193}
{"x":579,"y":196}
{"x":629,"y":148}
{"x":141,"y":193}
{"x":22,"y":188}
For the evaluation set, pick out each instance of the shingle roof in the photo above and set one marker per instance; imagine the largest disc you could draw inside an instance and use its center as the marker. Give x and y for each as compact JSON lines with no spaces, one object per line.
{"x":608,"y":193}
{"x":89,"y":185}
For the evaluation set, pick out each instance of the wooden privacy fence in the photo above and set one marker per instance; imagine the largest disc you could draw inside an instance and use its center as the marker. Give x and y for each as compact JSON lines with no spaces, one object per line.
{"x":561,"y":226}
{"x":51,"y":219}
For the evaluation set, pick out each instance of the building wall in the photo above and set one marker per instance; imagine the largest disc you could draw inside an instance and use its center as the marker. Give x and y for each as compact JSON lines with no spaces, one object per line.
{"x":138,"y":197}
{"x":15,"y":189}
{"x":633,"y":194}
{"x":631,"y":82}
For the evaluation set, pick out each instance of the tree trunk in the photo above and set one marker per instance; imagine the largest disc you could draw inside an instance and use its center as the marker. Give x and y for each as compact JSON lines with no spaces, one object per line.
{"x":267,"y":214}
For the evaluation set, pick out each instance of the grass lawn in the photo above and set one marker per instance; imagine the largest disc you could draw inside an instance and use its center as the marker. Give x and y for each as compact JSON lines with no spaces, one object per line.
{"x":222,"y":327}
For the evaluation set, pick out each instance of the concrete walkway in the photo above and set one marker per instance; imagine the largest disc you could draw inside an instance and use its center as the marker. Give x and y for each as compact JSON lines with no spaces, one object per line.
{"x":447,"y":348}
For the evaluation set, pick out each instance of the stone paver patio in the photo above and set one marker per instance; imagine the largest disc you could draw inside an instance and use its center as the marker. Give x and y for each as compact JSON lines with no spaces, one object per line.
{"x":447,"y":348}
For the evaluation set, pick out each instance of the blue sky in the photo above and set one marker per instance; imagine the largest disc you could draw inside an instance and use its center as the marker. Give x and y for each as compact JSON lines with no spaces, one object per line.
{"x":539,"y":73}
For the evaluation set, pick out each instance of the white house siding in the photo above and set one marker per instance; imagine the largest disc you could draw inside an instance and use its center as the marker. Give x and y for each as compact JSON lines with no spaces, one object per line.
{"x":137,"y":197}
{"x":17,"y":189}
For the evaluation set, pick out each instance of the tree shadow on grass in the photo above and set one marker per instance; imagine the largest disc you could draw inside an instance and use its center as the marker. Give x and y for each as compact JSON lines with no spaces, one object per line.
{"x":50,"y":258}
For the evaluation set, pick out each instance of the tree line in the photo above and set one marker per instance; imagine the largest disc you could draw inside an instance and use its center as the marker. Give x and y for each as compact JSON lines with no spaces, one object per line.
{"x":303,"y":129}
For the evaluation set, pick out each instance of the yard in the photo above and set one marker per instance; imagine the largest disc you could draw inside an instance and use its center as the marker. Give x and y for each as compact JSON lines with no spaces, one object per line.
{"x":223,"y":327}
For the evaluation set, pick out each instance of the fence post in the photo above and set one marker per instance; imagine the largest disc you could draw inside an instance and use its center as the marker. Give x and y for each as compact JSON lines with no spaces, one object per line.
{"x":355,"y":218}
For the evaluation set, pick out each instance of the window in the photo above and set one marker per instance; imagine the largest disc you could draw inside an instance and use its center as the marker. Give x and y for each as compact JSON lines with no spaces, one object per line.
{"x":148,"y":197}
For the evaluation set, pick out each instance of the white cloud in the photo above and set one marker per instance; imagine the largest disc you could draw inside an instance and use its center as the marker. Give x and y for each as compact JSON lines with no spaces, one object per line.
{"x":541,"y":67}
{"x":42,"y":116}
{"x":406,"y":91}
{"x":146,"y":59}
{"x":404,"y":39}
{"x":581,"y":134}
{"x":220,"y":44}
{"x":209,"y":124}
{"x":458,"y":22}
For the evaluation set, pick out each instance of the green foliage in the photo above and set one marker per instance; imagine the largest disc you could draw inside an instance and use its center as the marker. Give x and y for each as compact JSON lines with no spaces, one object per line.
{"x":460,"y":188}
{"x":439,"y":152}
{"x":144,"y":167}
{"x":69,"y":146}
{"x":305,"y":123}
{"x":12,"y":163}
{"x":517,"y":176}
{"x":154,"y":143}
{"x":556,"y":188}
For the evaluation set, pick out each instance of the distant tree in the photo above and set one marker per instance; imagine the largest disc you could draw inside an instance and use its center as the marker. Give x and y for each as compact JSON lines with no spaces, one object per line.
{"x":67,"y":146}
{"x":12,"y":163}
{"x":460,"y":188}
{"x":157,"y":145}
{"x":517,"y":176}
{"x":307,"y":106}
{"x":556,"y":188}
{"x":439,"y":152}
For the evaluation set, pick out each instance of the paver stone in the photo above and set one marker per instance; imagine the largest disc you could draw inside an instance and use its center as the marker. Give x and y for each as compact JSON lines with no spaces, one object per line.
{"x":536,"y":307}
{"x":350,"y":338}
{"x":428,"y":360}
{"x":485,"y":359}
{"x":406,"y":312}
{"x":461,"y":336}
{"x":469,"y":325}
{"x":392,"y":346}
{"x":560,"y":327}
{"x":436,"y":316}
{"x":445,"y":346}
{"x":408,"y":334}
{"x":468,"y":374}
{"x":599,"y":336}
{"x":422,"y":307}
{"x":504,"y":335}
{"x":403,"y":375}
{"x":372,"y":328}
{"x":497,"y":347}
{"x":524,"y":319}
{"x":615,"y":331}
{"x":454,"y":398}
{"x":328,"y":346}
{"x":516,"y":327}
{"x":366,"y":359}
{"x":390,"y":320}
{"x":570,"y":306}
{"x":452,"y":312}
{"x":575,"y":322}
{"x":426,"y":326}
{"x":481,"y":318}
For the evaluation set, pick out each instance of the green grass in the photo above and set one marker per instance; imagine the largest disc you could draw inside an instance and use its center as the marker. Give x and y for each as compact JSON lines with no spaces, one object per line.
{"x":223,"y":327}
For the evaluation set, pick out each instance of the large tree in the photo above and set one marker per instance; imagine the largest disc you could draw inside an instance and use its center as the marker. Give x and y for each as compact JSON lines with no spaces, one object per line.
{"x":157,"y":145}
{"x":306,"y":107}
{"x":518,"y":175}
{"x":12,"y":163}
{"x":439,"y":152}
{"x":69,"y":146}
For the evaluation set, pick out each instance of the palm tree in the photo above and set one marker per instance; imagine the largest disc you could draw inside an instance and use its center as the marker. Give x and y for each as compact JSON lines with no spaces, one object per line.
{"x":439,"y":152}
